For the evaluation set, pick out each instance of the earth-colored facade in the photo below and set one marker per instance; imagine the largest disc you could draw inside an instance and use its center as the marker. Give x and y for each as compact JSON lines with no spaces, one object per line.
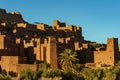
{"x":24,"y":45}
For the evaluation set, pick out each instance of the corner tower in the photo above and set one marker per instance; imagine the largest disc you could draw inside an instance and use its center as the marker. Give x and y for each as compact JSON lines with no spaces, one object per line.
{"x":112,"y":45}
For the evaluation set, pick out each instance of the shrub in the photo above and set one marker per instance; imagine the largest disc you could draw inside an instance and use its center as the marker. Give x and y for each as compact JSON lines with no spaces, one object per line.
{"x":27,"y":74}
{"x":91,"y":74}
{"x":44,"y":66}
{"x":71,"y":76}
{"x":39,"y":73}
{"x":52,"y":73}
{"x":5,"y":77}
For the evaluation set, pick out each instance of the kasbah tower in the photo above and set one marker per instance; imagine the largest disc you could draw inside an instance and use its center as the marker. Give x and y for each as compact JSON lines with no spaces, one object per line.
{"x":24,"y":45}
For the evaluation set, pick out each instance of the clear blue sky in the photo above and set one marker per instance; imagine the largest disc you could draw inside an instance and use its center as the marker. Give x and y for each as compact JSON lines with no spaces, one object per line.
{"x":99,"y":19}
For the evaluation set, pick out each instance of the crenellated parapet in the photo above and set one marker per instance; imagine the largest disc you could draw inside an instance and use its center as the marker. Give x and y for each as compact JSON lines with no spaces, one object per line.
{"x":57,"y":25}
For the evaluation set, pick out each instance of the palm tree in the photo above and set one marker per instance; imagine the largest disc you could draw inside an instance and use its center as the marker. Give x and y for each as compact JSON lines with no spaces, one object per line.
{"x":67,"y":60}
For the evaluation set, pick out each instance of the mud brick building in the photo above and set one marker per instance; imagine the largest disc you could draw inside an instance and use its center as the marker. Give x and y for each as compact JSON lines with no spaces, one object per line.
{"x":24,"y":45}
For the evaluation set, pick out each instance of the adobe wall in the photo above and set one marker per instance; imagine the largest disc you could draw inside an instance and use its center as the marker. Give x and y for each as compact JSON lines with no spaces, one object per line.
{"x":57,"y":25}
{"x":22,"y":25}
{"x":108,"y":57}
{"x":112,"y":44}
{"x":80,"y":46}
{"x":41,"y":26}
{"x":61,"y":40}
{"x":49,"y":52}
{"x":2,"y":37}
{"x":18,"y":41}
{"x":103,"y":58}
{"x":28,"y":43}
{"x":20,"y":67}
{"x":14,"y":64}
{"x":67,"y":39}
{"x":71,"y":28}
{"x":77,"y":46}
{"x":8,"y":63}
{"x":53,"y":52}
{"x":3,"y":24}
{"x":43,"y":50}
{"x":37,"y":49}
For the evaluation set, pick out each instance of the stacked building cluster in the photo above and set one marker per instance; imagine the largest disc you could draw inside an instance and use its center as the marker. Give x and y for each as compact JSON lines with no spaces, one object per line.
{"x":24,"y":45}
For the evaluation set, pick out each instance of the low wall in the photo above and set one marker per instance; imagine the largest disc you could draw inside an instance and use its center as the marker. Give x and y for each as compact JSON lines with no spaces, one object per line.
{"x":26,"y":66}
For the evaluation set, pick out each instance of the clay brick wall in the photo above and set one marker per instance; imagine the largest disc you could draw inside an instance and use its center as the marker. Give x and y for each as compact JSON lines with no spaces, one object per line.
{"x":49,"y":52}
{"x":77,"y":46}
{"x":8,"y":63}
{"x":3,"y":24}
{"x":41,"y":26}
{"x":80,"y":46}
{"x":22,"y":25}
{"x":85,"y":45}
{"x":13,"y":66}
{"x":112,"y":44}
{"x":103,"y":58}
{"x":37,"y":49}
{"x":18,"y":40}
{"x":56,"y":22}
{"x":108,"y":57}
{"x":67,"y":39}
{"x":2,"y":41}
{"x":61,"y":40}
{"x":57,"y":25}
{"x":28,"y":44}
{"x":53,"y":53}
{"x":20,"y":67}
{"x":70,"y":27}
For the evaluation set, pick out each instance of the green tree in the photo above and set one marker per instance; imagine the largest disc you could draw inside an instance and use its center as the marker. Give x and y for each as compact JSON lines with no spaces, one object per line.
{"x":109,"y":74}
{"x":68,"y":60}
{"x":27,"y":74}
{"x":92,"y":74}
